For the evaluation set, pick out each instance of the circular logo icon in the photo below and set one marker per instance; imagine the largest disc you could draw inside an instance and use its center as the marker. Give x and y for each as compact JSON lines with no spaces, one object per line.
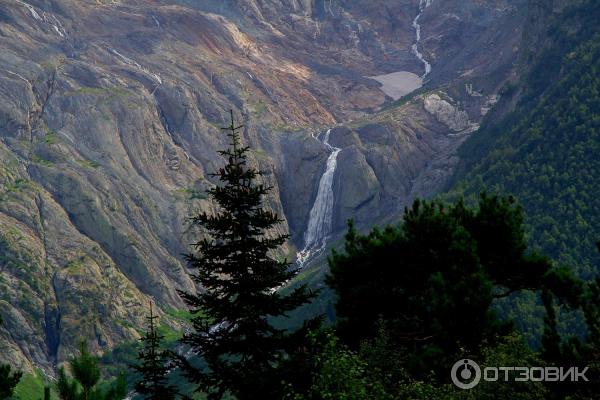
{"x":465,"y":374}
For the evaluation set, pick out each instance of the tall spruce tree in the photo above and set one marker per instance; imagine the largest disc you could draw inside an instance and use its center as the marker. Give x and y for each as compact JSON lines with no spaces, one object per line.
{"x":8,"y":381}
{"x":86,"y":377}
{"x":235,"y":265}
{"x":153,"y":367}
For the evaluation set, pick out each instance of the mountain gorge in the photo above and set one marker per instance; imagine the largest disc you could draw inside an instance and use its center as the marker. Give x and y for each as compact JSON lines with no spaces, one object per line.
{"x":110,"y":117}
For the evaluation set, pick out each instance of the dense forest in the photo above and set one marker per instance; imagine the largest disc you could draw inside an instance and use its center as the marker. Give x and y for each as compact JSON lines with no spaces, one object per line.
{"x":545,"y":152}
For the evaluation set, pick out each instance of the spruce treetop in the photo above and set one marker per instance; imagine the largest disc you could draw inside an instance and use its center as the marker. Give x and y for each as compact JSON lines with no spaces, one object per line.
{"x":237,"y":270}
{"x":154,"y":365}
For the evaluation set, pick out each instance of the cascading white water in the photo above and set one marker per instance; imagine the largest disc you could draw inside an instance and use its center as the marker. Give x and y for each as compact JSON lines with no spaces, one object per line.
{"x":321,"y":214}
{"x":48,"y":18}
{"x":423,"y":4}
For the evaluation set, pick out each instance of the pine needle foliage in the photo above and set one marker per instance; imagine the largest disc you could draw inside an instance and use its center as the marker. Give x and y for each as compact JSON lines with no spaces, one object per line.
{"x":236,"y":266}
{"x":154,"y":365}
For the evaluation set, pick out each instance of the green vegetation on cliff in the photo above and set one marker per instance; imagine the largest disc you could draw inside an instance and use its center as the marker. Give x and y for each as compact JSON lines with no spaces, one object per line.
{"x":545,"y":152}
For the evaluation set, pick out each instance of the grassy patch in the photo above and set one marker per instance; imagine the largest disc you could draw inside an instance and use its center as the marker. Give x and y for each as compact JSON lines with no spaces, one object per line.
{"x":87,"y":163}
{"x":38,"y":160}
{"x":50,"y":137}
{"x":16,"y":186}
{"x":282,"y":127}
{"x":169,"y":334}
{"x":258,"y":107}
{"x":180,"y":315}
{"x":31,"y":387}
{"x":76,"y":267}
{"x":107,"y":94}
{"x":192,"y":194}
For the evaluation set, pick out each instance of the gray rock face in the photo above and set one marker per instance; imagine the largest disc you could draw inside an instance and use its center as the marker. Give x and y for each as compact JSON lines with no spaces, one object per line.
{"x":452,"y":116}
{"x":382,"y":163}
{"x":110,"y":116}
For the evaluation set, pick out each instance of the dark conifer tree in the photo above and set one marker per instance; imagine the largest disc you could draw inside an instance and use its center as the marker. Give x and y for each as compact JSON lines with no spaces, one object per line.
{"x":434,"y":278}
{"x":559,"y":349}
{"x":86,"y":371}
{"x":8,"y":379}
{"x":236,"y":268}
{"x":67,"y":388}
{"x":86,"y":376}
{"x":153,"y":365}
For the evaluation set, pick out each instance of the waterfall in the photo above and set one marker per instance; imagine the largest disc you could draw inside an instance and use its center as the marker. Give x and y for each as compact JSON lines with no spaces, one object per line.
{"x":48,"y":18}
{"x":321,"y":214}
{"x":423,"y":4}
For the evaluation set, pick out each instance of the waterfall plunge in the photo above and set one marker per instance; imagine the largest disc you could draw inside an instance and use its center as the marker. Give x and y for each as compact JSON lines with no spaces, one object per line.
{"x":321,"y":214}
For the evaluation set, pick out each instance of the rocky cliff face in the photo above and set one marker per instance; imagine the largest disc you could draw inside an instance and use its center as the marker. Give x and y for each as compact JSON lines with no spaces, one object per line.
{"x":110,"y":116}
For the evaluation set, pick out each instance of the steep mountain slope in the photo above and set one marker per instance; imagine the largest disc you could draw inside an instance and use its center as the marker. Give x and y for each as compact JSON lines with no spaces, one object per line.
{"x":545,"y":151}
{"x":110,"y":116}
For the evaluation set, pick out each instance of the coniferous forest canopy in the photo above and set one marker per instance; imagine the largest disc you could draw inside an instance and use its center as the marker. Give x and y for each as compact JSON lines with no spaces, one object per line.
{"x":312,"y":201}
{"x":546,"y":150}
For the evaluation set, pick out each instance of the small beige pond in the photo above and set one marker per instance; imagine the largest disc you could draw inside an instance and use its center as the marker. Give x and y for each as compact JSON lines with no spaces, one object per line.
{"x":398,"y":84}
